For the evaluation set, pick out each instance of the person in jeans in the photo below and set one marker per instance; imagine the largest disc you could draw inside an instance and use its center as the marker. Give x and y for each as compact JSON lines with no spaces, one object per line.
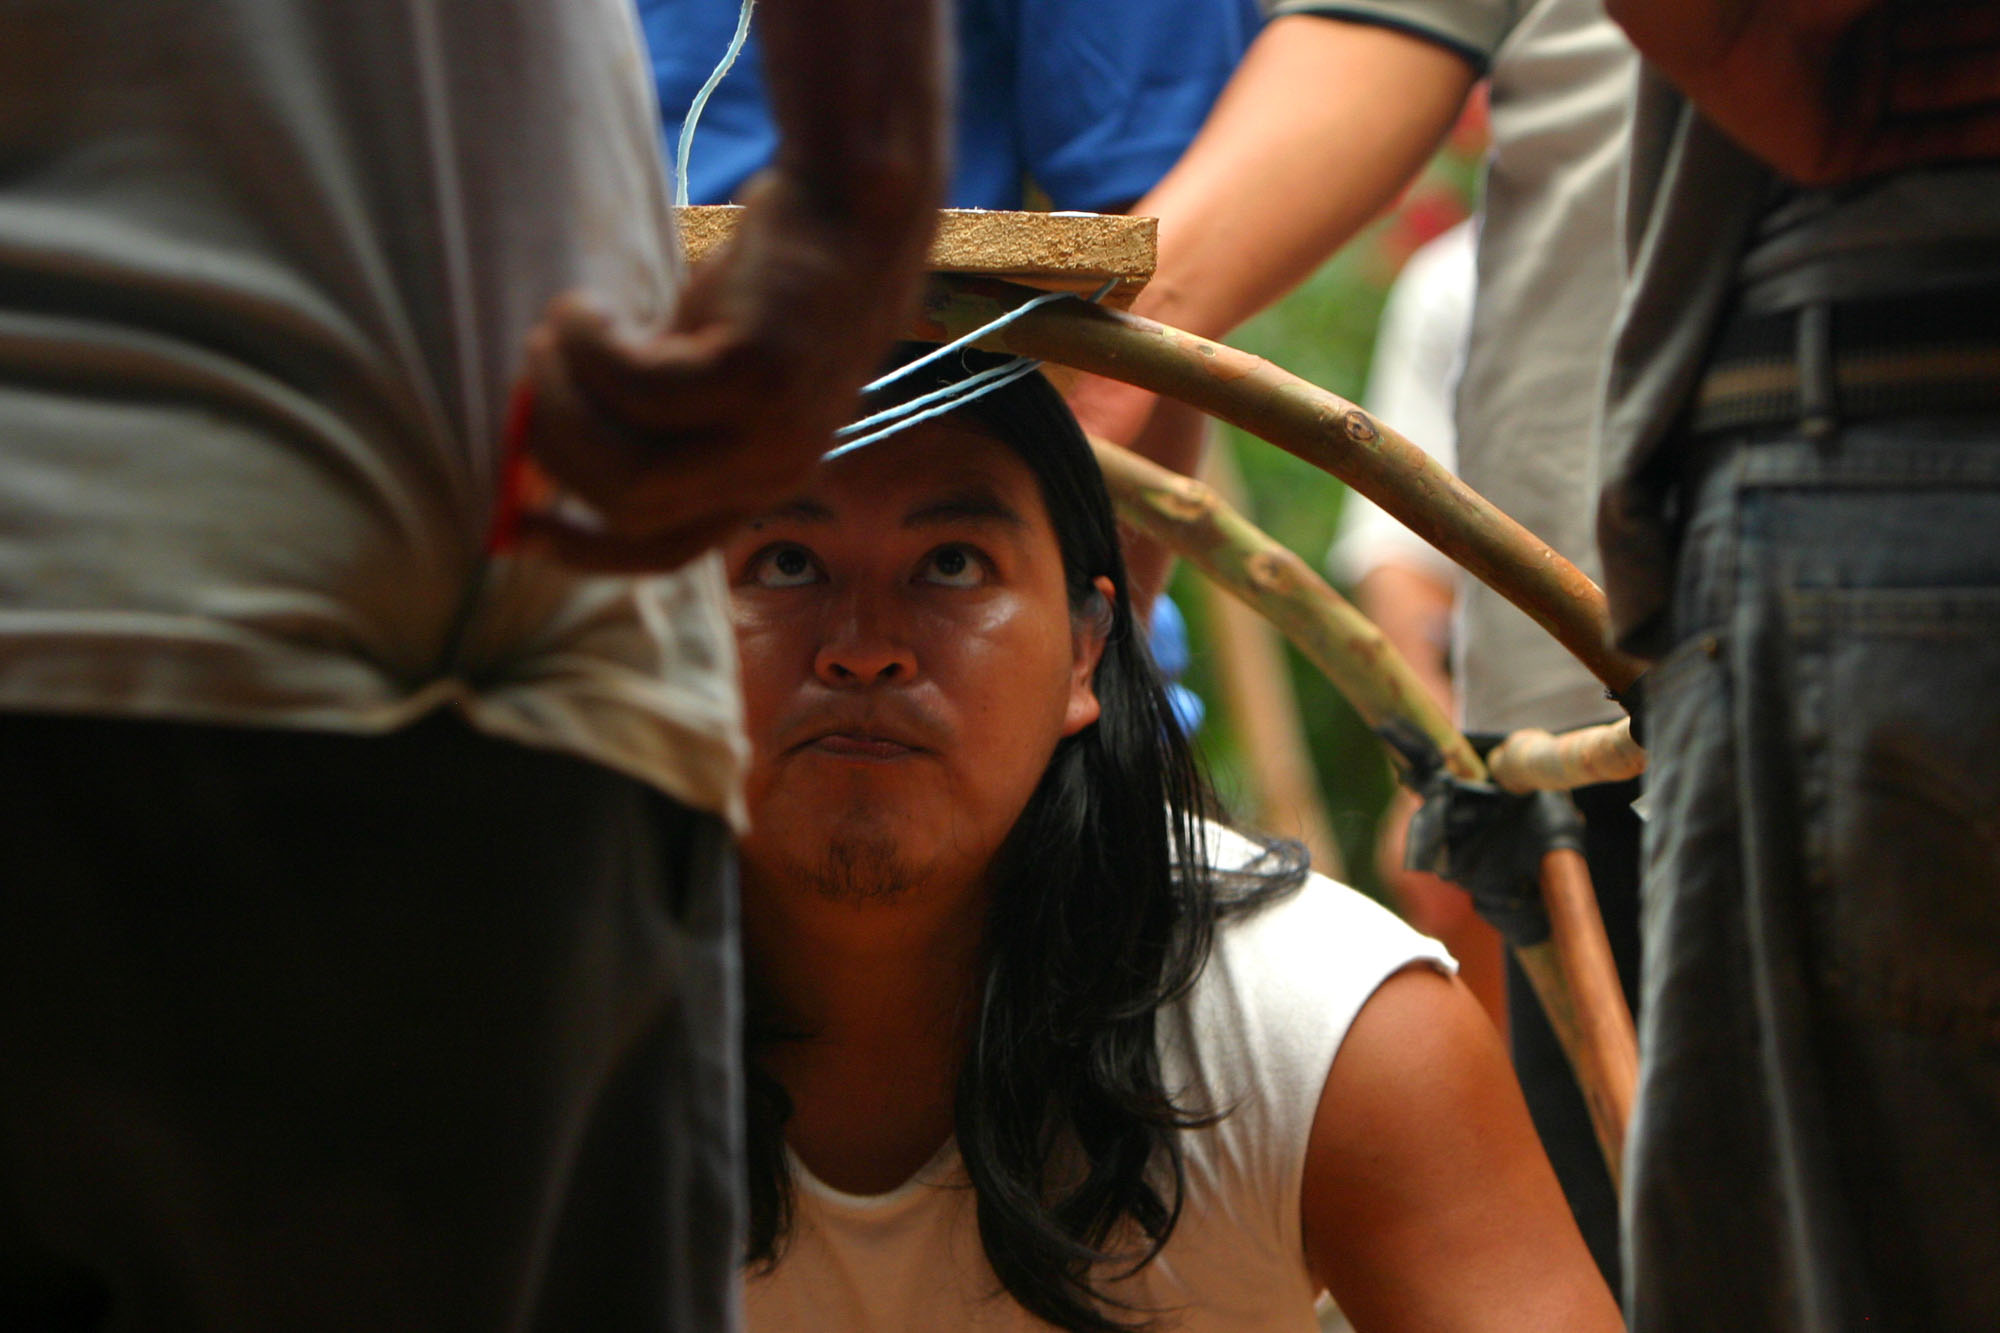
{"x":1803,"y":525}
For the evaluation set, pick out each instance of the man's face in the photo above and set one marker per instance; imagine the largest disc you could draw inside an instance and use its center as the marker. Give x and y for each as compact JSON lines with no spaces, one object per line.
{"x":909,"y":665}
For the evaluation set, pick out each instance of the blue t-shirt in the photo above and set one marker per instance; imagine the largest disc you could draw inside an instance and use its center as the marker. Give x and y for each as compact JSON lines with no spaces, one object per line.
{"x":1092,"y":100}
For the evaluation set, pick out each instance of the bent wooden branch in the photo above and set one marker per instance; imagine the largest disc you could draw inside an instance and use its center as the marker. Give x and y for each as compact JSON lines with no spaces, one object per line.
{"x":1534,"y":760}
{"x":1318,"y":426}
{"x":1191,"y":520}
{"x":1573,"y":972}
{"x":1257,"y":694}
{"x":1601,"y":1043}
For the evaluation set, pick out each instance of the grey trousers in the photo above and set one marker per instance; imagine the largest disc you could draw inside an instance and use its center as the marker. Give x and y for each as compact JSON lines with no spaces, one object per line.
{"x":312,"y":1032}
{"x":1818,"y":1138}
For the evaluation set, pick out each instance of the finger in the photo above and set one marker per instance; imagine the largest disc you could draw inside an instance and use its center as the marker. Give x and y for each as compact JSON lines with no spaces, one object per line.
{"x":593,"y":550}
{"x":1946,"y":27}
{"x":710,"y":379}
{"x":651,"y":379}
{"x":573,"y":441}
{"x":1958,"y":81}
{"x":668,"y":381}
{"x":1933,"y":141}
{"x":626,"y":469}
{"x":636,"y":484}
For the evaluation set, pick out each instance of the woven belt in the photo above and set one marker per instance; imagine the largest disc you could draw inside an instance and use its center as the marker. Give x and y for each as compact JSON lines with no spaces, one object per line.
{"x":1817,"y":365}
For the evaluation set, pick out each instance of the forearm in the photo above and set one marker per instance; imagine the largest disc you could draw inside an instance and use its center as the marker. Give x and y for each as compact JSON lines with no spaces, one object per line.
{"x":859,"y":92}
{"x":672,"y":436}
{"x":1321,"y":126}
{"x":1323,"y":123}
{"x":1413,"y":610}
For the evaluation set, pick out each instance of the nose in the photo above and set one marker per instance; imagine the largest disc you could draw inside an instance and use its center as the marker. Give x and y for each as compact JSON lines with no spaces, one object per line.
{"x":862,"y":647}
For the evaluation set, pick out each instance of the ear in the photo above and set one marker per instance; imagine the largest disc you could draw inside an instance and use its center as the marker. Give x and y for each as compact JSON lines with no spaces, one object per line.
{"x":1086,"y":638}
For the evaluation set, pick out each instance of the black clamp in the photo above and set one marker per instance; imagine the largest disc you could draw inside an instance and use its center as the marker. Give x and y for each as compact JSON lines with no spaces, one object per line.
{"x":1487,"y":841}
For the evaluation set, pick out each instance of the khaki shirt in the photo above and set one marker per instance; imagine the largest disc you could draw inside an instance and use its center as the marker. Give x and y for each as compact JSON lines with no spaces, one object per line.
{"x":1549,"y":276}
{"x":267,"y":270}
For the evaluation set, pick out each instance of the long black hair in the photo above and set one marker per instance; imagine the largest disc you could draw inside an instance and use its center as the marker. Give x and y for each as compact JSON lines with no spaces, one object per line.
{"x":1104,"y":911}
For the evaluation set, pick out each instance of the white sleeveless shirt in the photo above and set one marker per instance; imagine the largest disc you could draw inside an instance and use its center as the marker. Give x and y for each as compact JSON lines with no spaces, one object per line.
{"x":1256,"y":1034}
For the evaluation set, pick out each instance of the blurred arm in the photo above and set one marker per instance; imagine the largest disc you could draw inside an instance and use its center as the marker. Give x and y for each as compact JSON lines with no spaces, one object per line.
{"x":1826,"y":91}
{"x":673,"y":436}
{"x":1322,"y":125}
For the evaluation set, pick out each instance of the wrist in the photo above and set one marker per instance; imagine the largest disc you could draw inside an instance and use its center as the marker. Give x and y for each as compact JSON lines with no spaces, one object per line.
{"x":860,"y":233}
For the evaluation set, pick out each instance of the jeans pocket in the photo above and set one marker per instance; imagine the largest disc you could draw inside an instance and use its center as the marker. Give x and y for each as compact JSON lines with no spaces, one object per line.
{"x":1902,"y":800}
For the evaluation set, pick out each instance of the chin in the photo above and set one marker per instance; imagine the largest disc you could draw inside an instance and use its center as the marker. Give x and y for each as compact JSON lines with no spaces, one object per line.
{"x":861,"y":869}
{"x":854,"y":854}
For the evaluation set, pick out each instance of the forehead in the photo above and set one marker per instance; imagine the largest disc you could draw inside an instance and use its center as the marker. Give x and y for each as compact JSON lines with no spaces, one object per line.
{"x":937,"y":472}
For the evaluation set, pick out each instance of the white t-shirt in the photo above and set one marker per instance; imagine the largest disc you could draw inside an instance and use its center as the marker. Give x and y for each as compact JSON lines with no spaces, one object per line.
{"x":1256,"y":1034}
{"x":265,"y":271}
{"x":1549,"y":270}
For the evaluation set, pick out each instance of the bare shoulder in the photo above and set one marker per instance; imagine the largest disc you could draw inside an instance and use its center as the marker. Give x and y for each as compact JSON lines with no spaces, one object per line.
{"x":1427,"y":1199}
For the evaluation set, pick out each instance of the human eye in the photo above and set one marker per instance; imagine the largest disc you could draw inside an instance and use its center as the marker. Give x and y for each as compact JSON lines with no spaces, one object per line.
{"x":953,"y":566}
{"x":782,"y":565}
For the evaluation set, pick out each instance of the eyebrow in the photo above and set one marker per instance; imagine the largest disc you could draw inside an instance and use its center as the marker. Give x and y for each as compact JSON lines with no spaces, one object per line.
{"x":975,"y":503}
{"x":801,"y":510}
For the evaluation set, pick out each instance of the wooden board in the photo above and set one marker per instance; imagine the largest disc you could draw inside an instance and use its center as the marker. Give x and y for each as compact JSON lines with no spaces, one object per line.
{"x":1072,"y":252}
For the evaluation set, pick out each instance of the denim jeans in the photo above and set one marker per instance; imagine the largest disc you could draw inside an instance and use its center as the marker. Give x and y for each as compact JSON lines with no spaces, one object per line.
{"x":1817,"y":1144}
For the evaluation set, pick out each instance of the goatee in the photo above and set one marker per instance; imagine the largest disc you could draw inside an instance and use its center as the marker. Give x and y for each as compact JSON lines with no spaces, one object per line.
{"x":859,"y":870}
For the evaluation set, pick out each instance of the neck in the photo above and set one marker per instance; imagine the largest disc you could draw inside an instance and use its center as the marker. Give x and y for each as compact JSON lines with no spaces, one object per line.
{"x":882,"y":996}
{"x":860,"y":973}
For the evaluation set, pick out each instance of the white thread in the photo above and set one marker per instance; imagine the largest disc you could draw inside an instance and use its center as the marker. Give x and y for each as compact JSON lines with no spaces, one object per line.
{"x":972,"y":337}
{"x":686,"y":146}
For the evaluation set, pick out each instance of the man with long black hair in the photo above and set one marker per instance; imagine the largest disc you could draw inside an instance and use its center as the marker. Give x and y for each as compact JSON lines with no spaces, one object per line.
{"x":1034,"y":1041}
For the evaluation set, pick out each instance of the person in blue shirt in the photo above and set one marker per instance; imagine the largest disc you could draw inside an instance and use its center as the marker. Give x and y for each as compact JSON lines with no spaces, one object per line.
{"x":1092,"y":103}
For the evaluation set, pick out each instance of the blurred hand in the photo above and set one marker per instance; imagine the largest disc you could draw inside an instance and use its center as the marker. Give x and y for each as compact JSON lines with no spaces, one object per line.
{"x":1111,"y":409}
{"x":1443,"y":911}
{"x":1165,"y":430}
{"x":1827,"y":91}
{"x":672,"y":437}
{"x":1435,"y":906}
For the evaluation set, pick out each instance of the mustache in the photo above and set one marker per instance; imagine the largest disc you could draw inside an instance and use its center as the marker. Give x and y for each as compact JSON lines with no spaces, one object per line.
{"x":896,"y":718}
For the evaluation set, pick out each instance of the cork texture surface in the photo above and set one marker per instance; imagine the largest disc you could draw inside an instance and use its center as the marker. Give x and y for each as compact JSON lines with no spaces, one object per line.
{"x":1075,"y":252}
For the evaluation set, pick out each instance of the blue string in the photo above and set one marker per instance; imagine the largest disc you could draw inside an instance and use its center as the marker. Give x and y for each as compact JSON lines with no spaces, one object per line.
{"x":917,"y":404}
{"x":942,"y":400}
{"x":701,"y":101}
{"x":1006,"y":375}
{"x":974,"y":336}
